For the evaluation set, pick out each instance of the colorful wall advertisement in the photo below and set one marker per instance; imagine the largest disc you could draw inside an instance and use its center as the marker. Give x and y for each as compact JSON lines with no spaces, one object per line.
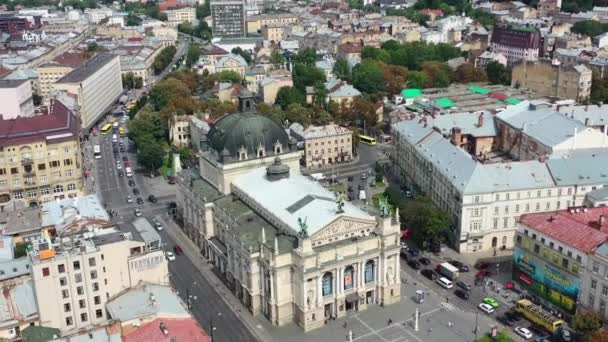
{"x":546,"y":280}
{"x":348,"y":278}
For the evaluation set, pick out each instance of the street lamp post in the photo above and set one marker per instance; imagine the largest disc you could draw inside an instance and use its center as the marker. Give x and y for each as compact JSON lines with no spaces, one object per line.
{"x":476,"y":325}
{"x":189,"y":297}
{"x":212,"y":328}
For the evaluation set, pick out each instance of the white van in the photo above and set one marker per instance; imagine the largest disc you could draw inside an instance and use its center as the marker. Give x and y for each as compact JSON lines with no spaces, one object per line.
{"x":445,"y":282}
{"x":114,"y":138}
{"x":128,"y":171}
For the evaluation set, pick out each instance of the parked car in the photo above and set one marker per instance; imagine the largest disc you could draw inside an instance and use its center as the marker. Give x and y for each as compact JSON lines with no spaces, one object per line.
{"x":424,"y":261}
{"x":125,"y":158}
{"x":565,"y":335}
{"x":486,"y":308}
{"x":414,"y":251}
{"x":120,"y":174}
{"x":350,"y":178}
{"x":513,"y":316}
{"x":482,"y":265}
{"x":140,"y":200}
{"x":429,"y":274}
{"x":505,"y":321}
{"x":491,"y":301}
{"x":158,"y":225}
{"x":129,"y":199}
{"x":403,"y":254}
{"x":170,"y":256}
{"x":135,"y":191}
{"x":178,"y":250}
{"x":414,"y":264}
{"x":461,"y":294}
{"x":137,"y":212}
{"x":122,"y":149}
{"x":463,"y":285}
{"x":459,"y":265}
{"x":364,"y":176}
{"x":152,"y":199}
{"x":523,"y":332}
{"x":131,"y":182}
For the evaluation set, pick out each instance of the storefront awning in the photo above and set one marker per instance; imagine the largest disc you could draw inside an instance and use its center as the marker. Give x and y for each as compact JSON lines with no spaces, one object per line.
{"x":352,"y":298}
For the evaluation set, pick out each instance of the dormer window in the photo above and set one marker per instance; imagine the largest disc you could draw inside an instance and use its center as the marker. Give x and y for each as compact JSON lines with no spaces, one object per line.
{"x":242,"y":154}
{"x":278,"y":149}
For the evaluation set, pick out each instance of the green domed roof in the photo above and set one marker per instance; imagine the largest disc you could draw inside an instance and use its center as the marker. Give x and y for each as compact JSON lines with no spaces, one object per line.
{"x":246,"y":130}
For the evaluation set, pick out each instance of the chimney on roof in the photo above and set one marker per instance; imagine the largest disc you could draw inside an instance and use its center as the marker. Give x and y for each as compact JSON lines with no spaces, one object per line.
{"x":164,"y":329}
{"x":456,"y":136}
{"x":480,"y":120}
{"x":602,"y":220}
{"x":587,"y":122}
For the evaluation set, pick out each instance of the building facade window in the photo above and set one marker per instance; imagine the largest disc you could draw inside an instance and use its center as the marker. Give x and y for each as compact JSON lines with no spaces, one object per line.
{"x":370,"y":269}
{"x":328,"y":284}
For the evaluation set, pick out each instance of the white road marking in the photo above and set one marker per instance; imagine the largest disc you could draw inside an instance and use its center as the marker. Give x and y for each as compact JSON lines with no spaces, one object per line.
{"x":374,"y":332}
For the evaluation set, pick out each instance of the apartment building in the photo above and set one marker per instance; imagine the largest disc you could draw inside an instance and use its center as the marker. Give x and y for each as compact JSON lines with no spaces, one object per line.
{"x":179,"y":130}
{"x":486,"y":171}
{"x":53,"y":71}
{"x":517,"y":43}
{"x":181,"y":16}
{"x":560,"y":257}
{"x":324,"y":145}
{"x":552,"y":79}
{"x":76,"y":276}
{"x":39,"y":158}
{"x":228,"y":18}
{"x":16,"y":98}
{"x":255,"y":23}
{"x":96,"y":84}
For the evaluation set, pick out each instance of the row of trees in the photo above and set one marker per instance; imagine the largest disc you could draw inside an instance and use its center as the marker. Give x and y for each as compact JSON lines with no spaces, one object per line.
{"x":599,"y":88}
{"x":590,"y":28}
{"x":163,"y":59}
{"x":130,"y":81}
{"x":149,"y":8}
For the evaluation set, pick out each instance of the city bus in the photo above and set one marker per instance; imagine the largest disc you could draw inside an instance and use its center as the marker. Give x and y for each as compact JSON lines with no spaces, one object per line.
{"x":105,"y":129}
{"x":97,"y":152}
{"x":536,"y":314}
{"x":367,"y":140}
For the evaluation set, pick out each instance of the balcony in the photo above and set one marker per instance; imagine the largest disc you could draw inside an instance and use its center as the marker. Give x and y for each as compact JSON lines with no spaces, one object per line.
{"x":29,"y":183}
{"x":27,"y":161}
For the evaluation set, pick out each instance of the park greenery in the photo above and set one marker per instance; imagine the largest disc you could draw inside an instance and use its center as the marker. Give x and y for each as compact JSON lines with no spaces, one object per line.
{"x":599,"y":89}
{"x":163,"y":59}
{"x":130,"y":81}
{"x":586,"y":322}
{"x":193,"y":54}
{"x":202,"y":30}
{"x":149,"y":8}
{"x":501,"y":336}
{"x":591,"y":28}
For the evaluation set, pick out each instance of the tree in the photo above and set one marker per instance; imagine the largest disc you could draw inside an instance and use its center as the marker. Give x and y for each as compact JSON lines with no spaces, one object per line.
{"x":598,"y":336}
{"x":163,"y":59}
{"x":138,"y":82}
{"x":341,"y":69}
{"x":92,"y":47}
{"x":394,"y":78}
{"x":501,"y":336}
{"x":438,"y":75}
{"x":379,"y":172}
{"x":128,"y":80}
{"x":20,"y":249}
{"x":298,"y":113}
{"x":416,"y":79}
{"x":368,"y":77}
{"x":194,"y":53}
{"x":429,"y":225}
{"x":289,"y":95}
{"x":147,"y":124}
{"x":498,"y":73}
{"x":217,"y":108}
{"x":364,"y":109}
{"x":306,"y":56}
{"x":185,"y":153}
{"x":133,"y":20}
{"x":599,"y":88}
{"x":150,"y":152}
{"x":305,"y":75}
{"x":245,"y":54}
{"x":586,"y":322}
{"x":467,"y":73}
{"x":277,"y":59}
{"x":229,"y":76}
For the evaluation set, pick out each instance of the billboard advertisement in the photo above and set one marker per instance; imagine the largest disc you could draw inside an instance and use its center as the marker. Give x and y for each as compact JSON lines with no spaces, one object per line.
{"x":546,"y":280}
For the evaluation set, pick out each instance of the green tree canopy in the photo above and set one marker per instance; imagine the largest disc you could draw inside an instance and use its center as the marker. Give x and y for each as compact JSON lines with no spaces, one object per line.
{"x":194,"y":53}
{"x":368,"y":77}
{"x":305,"y":75}
{"x":306,"y":56}
{"x":289,"y":95}
{"x":467,"y":73}
{"x":427,"y":223}
{"x":229,"y":76}
{"x":245,"y":54}
{"x":599,"y":88}
{"x":590,"y":28}
{"x":498,"y":73}
{"x":277,"y":59}
{"x":341,"y":69}
{"x":586,"y":322}
{"x":163,"y":59}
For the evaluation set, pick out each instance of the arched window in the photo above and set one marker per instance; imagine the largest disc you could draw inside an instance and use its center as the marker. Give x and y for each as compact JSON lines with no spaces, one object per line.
{"x":370,"y":269}
{"x":348,"y":278}
{"x":504,"y":240}
{"x":328,"y":284}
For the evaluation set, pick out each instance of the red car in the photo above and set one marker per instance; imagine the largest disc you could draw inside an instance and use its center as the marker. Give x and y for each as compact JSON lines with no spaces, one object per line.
{"x":127,"y":164}
{"x":178,"y":250}
{"x":509,"y":285}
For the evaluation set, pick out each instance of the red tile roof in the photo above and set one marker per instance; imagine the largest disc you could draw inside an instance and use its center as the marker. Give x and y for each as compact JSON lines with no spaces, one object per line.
{"x":580,"y":230}
{"x":71,"y":59}
{"x":59,"y":123}
{"x":432,"y":11}
{"x":177,"y":330}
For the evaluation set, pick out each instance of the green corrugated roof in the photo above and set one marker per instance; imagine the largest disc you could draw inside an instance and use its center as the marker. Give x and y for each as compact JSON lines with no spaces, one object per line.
{"x":411,"y":93}
{"x":444,"y":102}
{"x":39,"y":334}
{"x":479,"y":90}
{"x":512,"y":101}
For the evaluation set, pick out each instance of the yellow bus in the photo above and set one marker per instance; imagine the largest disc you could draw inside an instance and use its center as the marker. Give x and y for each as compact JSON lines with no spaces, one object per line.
{"x":132,"y":105}
{"x":536,"y":314}
{"x":107,"y":128}
{"x":121,"y":131}
{"x":367,"y":140}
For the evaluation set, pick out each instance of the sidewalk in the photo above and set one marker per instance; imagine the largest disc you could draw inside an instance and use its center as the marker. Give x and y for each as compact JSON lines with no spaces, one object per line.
{"x":206,"y":270}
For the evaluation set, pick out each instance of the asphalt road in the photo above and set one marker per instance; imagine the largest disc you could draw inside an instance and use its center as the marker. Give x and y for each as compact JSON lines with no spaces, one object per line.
{"x":114,"y":191}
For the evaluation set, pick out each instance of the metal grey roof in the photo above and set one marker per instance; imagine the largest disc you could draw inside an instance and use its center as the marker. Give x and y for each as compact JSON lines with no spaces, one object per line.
{"x":509,"y":176}
{"x":295,"y":197}
{"x":58,"y":212}
{"x":543,"y":123}
{"x":600,"y":194}
{"x":467,"y":122}
{"x":146,"y":300}
{"x":87,"y":69}
{"x":15,"y":268}
{"x":598,"y":116}
{"x":580,"y":168}
{"x":18,"y":302}
{"x":146,"y":231}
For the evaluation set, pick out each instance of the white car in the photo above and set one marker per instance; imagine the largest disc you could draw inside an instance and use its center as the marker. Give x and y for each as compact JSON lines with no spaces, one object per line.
{"x":158,"y":225}
{"x":118,"y":167}
{"x":523,"y":332}
{"x":487,"y":308}
{"x":137,"y":212}
{"x":129,"y":199}
{"x":170,"y":256}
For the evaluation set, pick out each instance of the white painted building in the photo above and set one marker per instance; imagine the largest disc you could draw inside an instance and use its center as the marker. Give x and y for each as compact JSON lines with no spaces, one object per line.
{"x":16,"y":98}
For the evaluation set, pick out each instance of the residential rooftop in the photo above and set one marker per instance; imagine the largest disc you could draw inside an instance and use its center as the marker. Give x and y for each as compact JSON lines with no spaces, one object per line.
{"x":576,"y":227}
{"x":185,"y":329}
{"x":87,"y":69}
{"x":144,"y":301}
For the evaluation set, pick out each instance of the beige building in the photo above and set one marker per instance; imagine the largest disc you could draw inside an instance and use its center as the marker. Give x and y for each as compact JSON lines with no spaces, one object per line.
{"x":42,"y":164}
{"x":119,"y":32}
{"x":324,"y":145}
{"x":182,"y":15}
{"x":275,"y":32}
{"x":256,"y":22}
{"x":97,"y":84}
{"x":48,"y":74}
{"x":76,"y":276}
{"x":179,"y":130}
{"x":270,"y":86}
{"x":287,"y":247}
{"x":552,"y":79}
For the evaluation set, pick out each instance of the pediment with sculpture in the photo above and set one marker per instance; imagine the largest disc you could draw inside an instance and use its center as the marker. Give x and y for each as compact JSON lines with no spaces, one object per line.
{"x":342,"y":226}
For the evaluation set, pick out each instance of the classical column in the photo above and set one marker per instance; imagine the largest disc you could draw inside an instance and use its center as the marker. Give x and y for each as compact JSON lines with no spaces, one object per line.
{"x":340,"y":280}
{"x":320,"y":290}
